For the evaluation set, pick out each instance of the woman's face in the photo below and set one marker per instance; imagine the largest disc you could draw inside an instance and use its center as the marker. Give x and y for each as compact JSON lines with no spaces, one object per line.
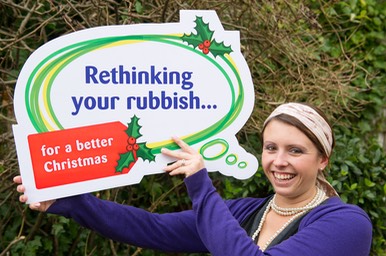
{"x":290,"y":161}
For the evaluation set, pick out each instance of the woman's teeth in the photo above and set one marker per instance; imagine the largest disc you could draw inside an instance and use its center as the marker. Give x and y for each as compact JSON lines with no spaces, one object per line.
{"x":282,"y":176}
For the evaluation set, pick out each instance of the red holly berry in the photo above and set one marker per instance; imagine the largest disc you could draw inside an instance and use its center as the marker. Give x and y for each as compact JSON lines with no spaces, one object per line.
{"x":136,"y":146}
{"x":205,"y":50}
{"x":129,"y":147}
{"x":131,"y":140}
{"x":201,"y":46}
{"x":206,"y":43}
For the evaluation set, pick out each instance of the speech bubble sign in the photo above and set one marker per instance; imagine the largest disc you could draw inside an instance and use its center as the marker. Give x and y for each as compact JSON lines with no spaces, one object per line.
{"x":95,"y":107}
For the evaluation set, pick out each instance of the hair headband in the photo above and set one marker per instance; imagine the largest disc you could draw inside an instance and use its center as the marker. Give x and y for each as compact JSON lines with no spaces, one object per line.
{"x":311,"y":119}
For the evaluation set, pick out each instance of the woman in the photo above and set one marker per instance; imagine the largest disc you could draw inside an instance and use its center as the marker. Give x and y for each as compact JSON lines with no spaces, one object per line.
{"x":304,"y":216}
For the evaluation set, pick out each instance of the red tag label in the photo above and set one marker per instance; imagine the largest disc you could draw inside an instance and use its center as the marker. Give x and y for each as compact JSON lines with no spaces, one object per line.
{"x":77,"y":154}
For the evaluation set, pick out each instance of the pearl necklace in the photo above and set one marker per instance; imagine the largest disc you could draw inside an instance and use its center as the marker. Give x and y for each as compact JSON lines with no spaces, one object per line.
{"x":296,"y":212}
{"x":318,"y":198}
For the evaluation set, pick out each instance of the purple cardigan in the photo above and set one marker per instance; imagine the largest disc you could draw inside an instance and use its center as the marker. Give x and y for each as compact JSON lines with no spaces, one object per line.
{"x":213,"y":225}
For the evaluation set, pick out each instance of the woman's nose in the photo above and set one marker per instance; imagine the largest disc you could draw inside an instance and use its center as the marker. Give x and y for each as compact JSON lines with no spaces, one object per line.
{"x":280,"y":159}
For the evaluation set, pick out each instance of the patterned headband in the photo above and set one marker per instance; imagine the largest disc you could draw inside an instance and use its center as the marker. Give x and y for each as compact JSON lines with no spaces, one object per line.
{"x":311,"y":119}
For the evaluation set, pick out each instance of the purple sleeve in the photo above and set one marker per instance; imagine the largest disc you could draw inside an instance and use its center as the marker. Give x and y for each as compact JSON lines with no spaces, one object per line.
{"x":173,"y":232}
{"x":333,"y":229}
{"x":219,"y":230}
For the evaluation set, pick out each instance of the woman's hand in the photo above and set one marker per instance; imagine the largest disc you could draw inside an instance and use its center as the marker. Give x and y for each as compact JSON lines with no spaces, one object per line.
{"x":189,"y":161}
{"x":42,"y":207}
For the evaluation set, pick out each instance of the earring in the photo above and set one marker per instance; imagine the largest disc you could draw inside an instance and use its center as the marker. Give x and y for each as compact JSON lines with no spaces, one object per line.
{"x":320,"y":169}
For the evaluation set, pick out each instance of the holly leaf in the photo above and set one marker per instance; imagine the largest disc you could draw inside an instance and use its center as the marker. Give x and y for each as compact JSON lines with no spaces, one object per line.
{"x":133,"y":128}
{"x":124,"y":161}
{"x":128,"y":159}
{"x":144,"y":152}
{"x":203,"y":33}
{"x":192,"y":39}
{"x":219,"y":48}
{"x":203,"y":30}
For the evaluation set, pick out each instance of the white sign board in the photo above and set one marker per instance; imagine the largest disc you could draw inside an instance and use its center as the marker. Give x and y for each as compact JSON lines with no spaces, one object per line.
{"x":95,"y":107}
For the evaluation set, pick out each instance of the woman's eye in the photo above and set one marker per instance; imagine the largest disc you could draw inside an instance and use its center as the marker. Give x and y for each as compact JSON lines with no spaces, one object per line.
{"x":269,"y":147}
{"x":296,"y":151}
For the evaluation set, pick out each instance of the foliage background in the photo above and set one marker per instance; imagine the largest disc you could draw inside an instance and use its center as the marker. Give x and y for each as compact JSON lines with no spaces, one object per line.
{"x":329,"y":53}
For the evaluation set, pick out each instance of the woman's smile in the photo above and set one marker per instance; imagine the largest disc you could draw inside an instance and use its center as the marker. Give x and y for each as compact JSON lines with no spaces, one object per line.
{"x":283,"y":176}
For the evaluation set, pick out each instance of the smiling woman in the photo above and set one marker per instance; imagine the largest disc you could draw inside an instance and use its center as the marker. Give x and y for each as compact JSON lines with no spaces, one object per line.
{"x":311,"y":125}
{"x":293,"y":160}
{"x":304,"y":216}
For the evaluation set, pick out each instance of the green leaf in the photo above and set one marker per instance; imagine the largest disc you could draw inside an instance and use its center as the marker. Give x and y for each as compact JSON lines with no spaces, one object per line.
{"x":377,"y":21}
{"x":364,"y":126}
{"x":203,"y":30}
{"x":219,"y":48}
{"x":370,"y":195}
{"x":192,"y":39}
{"x":124,"y":161}
{"x":377,"y":156}
{"x":380,"y":64}
{"x":369,"y":183}
{"x":138,"y":7}
{"x":353,"y":186}
{"x":363,"y":159}
{"x":133,"y":128}
{"x":57,"y":229}
{"x":33,"y":245}
{"x":344,"y":170}
{"x":204,"y":33}
{"x":144,"y":152}
{"x":344,"y":198}
{"x":374,"y":214}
